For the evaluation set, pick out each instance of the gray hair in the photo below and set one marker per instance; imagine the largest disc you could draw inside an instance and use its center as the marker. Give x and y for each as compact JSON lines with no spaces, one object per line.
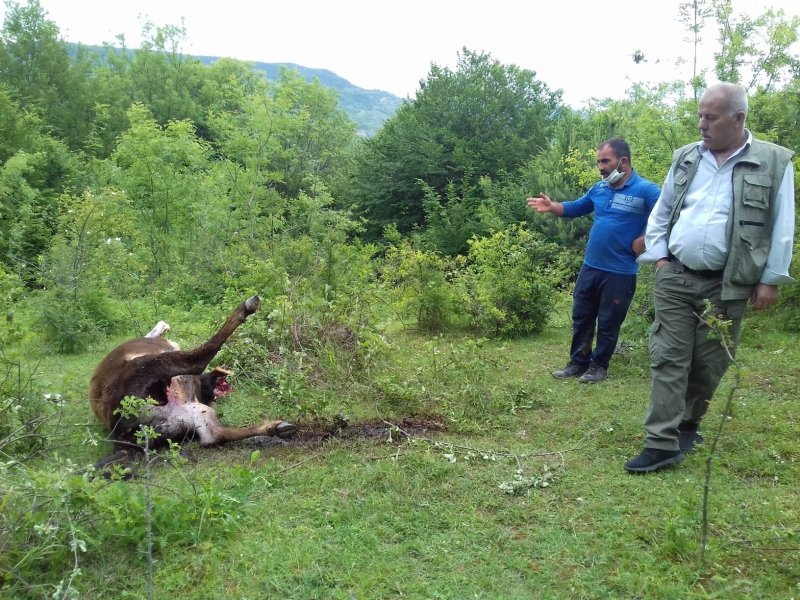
{"x":734,"y":95}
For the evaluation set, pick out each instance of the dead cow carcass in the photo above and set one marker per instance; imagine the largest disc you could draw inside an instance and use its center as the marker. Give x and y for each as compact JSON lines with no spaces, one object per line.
{"x":154,"y":367}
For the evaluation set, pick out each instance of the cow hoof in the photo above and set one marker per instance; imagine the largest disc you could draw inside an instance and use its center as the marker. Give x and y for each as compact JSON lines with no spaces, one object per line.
{"x":252,"y":304}
{"x":285,"y":430}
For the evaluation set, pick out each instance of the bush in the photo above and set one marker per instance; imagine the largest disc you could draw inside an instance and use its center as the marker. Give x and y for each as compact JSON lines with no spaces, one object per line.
{"x":512,"y":279}
{"x":71,"y":320}
{"x":464,"y":213}
{"x":306,"y":338}
{"x":788,"y":308}
{"x":23,"y":407}
{"x":11,"y":291}
{"x":424,"y":287}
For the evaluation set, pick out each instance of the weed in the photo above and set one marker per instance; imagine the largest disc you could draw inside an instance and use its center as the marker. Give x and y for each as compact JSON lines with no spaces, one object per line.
{"x":527,"y":471}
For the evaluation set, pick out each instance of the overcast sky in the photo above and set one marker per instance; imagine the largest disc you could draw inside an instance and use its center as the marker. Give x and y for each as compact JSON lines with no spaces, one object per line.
{"x":584,"y":48}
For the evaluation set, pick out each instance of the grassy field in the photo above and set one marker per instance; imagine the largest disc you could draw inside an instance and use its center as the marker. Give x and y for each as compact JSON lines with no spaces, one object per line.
{"x":466,"y":471}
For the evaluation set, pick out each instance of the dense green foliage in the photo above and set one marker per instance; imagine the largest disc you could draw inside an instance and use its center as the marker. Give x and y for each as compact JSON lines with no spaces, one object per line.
{"x":368,"y":108}
{"x":483,"y":119}
{"x":395,"y":271}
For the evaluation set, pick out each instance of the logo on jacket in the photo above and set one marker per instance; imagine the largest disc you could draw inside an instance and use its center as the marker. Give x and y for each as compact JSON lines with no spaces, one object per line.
{"x":628,"y":203}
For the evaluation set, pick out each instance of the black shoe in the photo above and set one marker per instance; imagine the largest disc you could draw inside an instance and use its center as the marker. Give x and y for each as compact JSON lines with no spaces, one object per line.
{"x":594,"y":374}
{"x":652,"y":459}
{"x":688,"y":436}
{"x":571,"y":370}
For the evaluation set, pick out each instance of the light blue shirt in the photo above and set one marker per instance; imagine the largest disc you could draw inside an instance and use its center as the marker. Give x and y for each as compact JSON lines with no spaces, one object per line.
{"x":699,"y":238}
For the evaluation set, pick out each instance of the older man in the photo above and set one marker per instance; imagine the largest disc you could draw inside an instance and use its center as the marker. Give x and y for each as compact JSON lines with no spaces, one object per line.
{"x":720,"y":235}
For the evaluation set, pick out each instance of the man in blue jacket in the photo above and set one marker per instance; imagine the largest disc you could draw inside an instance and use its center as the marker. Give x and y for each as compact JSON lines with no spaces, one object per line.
{"x":621,"y":202}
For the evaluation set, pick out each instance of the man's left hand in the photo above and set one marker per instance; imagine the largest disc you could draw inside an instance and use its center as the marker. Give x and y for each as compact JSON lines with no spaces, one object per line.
{"x":763,"y":296}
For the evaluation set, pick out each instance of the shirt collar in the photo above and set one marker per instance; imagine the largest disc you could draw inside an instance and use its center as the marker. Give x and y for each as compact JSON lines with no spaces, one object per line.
{"x":628,"y":182}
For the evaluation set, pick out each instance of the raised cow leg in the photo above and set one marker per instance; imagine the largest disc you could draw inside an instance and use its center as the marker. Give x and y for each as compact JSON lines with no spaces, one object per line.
{"x":190,"y":362}
{"x":153,"y":367}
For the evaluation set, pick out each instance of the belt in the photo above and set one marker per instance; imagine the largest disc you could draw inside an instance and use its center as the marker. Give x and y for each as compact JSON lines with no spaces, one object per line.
{"x":704,"y":273}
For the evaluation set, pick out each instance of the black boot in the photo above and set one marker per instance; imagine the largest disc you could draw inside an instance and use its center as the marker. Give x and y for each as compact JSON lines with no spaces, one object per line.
{"x":652,"y":459}
{"x":688,"y":435}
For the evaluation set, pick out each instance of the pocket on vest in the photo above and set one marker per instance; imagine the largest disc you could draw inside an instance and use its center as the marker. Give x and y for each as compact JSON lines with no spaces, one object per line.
{"x":757,"y":190}
{"x":750,"y":259}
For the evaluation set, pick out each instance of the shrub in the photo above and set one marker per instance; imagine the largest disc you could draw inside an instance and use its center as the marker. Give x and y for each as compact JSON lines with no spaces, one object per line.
{"x":465,"y":212}
{"x":788,"y":308}
{"x":23,"y":407}
{"x":512,"y":280}
{"x":312,"y":332}
{"x":424,"y":287}
{"x":71,"y":320}
{"x":11,"y":291}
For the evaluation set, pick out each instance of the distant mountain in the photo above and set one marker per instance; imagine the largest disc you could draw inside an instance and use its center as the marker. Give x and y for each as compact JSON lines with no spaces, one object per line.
{"x":367,"y":108}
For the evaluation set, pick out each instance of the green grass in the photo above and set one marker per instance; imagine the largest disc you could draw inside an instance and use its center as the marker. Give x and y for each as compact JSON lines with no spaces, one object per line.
{"x":425,"y":516}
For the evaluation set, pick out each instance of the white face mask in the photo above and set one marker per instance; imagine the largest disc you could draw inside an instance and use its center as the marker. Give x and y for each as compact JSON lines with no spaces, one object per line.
{"x":614,"y":176}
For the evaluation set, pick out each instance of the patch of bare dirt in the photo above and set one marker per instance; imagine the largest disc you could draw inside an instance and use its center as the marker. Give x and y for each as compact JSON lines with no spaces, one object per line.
{"x":317,"y":432}
{"x":395,"y":430}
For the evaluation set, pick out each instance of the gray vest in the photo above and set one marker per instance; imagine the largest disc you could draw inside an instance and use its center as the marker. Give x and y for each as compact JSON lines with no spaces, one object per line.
{"x":757,"y":175}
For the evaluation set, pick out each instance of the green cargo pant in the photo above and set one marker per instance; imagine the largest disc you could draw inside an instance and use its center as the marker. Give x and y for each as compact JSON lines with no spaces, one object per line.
{"x":686,"y":364}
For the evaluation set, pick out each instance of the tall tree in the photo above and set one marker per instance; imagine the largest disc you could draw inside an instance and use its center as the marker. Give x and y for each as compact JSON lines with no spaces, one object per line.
{"x":292,"y":131}
{"x":694,"y":14}
{"x":35,"y":169}
{"x":755,"y":52}
{"x":112,"y":91}
{"x":35,"y":64}
{"x":164,"y":79}
{"x":165,"y":172}
{"x":482,"y":119}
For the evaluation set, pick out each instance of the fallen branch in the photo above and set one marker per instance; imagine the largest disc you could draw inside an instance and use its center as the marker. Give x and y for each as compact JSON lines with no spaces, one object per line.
{"x":302,"y":462}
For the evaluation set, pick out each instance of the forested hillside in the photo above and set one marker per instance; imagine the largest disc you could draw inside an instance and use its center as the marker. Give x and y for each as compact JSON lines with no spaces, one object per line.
{"x":368,"y":109}
{"x":140,"y":185}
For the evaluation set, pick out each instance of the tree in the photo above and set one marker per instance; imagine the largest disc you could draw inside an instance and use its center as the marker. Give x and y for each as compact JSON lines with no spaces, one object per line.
{"x":775,"y":116}
{"x":315,"y":134}
{"x":694,"y":14}
{"x":482,"y":119}
{"x":164,"y":79}
{"x":287,"y":135}
{"x":755,"y":52}
{"x":35,"y":64}
{"x":112,"y":90}
{"x":166,"y":172}
{"x":35,"y":169}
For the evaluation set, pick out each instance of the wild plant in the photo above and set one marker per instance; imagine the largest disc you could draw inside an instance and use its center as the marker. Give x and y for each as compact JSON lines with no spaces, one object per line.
{"x":511,"y":278}
{"x":423,"y":287}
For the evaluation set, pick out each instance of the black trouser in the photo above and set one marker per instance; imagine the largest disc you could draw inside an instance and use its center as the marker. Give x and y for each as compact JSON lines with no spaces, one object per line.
{"x":600,"y":302}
